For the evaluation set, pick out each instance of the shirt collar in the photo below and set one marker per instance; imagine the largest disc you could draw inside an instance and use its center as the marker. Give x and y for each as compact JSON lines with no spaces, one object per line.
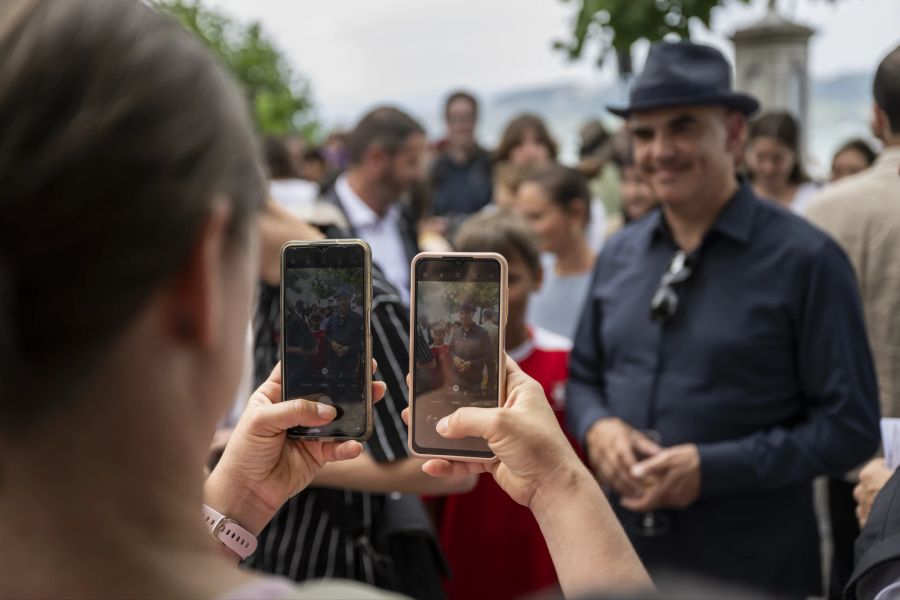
{"x":888,"y":158}
{"x":735,"y":220}
{"x":358,"y":212}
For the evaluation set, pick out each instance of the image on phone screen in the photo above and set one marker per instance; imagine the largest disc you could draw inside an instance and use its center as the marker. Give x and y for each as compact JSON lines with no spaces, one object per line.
{"x":324,"y":334}
{"x":456,"y":354}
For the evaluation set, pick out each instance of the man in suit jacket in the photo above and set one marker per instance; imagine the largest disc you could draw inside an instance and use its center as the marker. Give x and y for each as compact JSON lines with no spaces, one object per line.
{"x":877,"y":568}
{"x":386,"y":151}
{"x":733,"y":330}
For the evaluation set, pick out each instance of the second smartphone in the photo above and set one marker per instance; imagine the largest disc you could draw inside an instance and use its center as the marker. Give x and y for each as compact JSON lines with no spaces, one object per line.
{"x":326,"y":349}
{"x":458,"y":318}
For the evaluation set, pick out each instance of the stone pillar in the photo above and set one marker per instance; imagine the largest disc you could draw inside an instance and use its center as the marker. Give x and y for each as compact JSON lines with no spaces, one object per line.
{"x":772,"y":63}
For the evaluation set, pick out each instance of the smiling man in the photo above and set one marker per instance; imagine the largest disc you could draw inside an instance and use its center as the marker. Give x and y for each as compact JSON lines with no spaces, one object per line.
{"x":721,"y":361}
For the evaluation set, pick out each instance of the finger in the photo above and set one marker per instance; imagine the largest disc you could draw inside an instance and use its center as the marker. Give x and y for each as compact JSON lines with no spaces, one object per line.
{"x":438,"y":467}
{"x":272,"y":419}
{"x":645,"y":445}
{"x":469,"y":421}
{"x":405,"y":416}
{"x":859,"y":492}
{"x":655,"y":465}
{"x":408,"y":381}
{"x":335,"y":451}
{"x":378,"y":390}
{"x":374,"y":366}
{"x":275,"y":375}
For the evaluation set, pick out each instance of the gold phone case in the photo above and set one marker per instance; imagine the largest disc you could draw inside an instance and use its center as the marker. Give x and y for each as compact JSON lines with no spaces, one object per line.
{"x":367,"y":311}
{"x":501,"y":339}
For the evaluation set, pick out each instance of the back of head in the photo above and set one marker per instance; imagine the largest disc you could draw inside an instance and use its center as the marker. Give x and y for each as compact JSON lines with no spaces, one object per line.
{"x":783,"y":127}
{"x":886,"y":88}
{"x":515,"y":133}
{"x":503,"y":232}
{"x":119,"y":132}
{"x":387,"y":127}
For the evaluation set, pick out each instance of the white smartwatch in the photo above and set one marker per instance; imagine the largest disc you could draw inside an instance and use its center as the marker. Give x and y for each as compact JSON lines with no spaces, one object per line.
{"x":236,"y":538}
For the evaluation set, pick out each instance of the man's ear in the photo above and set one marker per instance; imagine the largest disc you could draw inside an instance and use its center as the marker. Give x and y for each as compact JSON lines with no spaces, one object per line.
{"x":880,"y":125}
{"x":736,"y":132}
{"x":196,"y":308}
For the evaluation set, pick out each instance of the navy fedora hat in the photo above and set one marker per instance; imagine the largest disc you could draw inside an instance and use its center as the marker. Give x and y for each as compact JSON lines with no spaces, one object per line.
{"x":685,"y":74}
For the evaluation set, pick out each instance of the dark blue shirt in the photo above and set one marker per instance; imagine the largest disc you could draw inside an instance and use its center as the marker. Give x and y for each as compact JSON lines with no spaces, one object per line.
{"x":461,"y":189}
{"x":765,"y":366}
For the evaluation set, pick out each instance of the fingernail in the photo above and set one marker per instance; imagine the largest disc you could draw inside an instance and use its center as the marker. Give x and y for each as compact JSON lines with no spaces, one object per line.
{"x":442,"y":426}
{"x":325,"y":411}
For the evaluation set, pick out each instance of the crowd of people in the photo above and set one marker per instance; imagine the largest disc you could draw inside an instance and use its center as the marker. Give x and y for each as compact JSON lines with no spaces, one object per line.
{"x":696,"y":331}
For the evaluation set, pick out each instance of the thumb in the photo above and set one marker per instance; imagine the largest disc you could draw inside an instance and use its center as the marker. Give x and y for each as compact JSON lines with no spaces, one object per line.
{"x":272,"y":419}
{"x":651,"y":466}
{"x":468,"y":421}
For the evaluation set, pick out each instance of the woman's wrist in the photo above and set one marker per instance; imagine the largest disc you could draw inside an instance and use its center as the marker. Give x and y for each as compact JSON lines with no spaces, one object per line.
{"x":568,"y":482}
{"x":237,"y":502}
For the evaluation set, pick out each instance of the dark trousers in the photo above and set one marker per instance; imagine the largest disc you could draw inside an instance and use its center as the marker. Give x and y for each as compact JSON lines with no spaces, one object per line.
{"x":844,"y":531}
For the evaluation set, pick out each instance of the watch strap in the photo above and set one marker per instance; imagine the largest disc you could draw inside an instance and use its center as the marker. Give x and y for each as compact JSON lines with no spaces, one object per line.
{"x":229,"y":532}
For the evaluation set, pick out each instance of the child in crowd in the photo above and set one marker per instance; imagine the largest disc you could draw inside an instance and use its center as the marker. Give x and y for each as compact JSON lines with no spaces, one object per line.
{"x":494,"y":545}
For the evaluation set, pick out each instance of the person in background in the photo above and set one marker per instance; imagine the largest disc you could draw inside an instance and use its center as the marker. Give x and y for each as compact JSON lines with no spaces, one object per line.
{"x":775,"y":164}
{"x":852,"y":157}
{"x":461,"y":172}
{"x":494,"y":546}
{"x":506,"y":182}
{"x":556,"y":202}
{"x":386,"y":150}
{"x":314,"y":167}
{"x":596,"y":161}
{"x":862,"y":213}
{"x":285,"y":184}
{"x":526,"y":142}
{"x":296,"y":147}
{"x":636,"y":193}
{"x":706,"y":389}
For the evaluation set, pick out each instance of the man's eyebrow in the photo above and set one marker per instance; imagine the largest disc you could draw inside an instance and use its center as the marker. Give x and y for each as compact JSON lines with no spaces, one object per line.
{"x":681,"y":121}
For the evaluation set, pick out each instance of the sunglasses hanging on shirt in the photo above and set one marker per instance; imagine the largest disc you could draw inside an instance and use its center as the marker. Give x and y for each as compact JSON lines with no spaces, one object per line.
{"x":664,"y":304}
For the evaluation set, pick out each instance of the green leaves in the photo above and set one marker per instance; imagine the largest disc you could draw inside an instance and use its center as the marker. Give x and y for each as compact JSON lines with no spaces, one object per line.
{"x":618,"y":24}
{"x":279,"y":98}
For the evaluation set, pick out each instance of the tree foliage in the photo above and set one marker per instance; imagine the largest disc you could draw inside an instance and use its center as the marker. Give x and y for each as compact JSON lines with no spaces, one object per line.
{"x":279,"y":98}
{"x":620,"y":23}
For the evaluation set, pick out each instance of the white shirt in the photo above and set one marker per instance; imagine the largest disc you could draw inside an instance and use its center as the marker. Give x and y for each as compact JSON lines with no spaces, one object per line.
{"x":296,"y":195}
{"x":381,"y":233}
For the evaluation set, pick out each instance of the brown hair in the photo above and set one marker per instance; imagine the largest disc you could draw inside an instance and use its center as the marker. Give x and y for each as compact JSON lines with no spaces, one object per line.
{"x":461,"y":95}
{"x":386,"y":126}
{"x":503,"y":232}
{"x":108,"y":167}
{"x":886,"y":88}
{"x":860,"y":146}
{"x":563,"y":185}
{"x":515,"y":132}
{"x":784,"y":128}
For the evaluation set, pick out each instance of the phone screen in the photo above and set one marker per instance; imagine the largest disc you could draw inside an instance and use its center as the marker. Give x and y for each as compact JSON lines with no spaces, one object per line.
{"x":456,"y":347}
{"x":324,"y":303}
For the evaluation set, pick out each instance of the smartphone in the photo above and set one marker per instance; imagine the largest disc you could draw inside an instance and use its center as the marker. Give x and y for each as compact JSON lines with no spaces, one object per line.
{"x":457,"y":330}
{"x":326,"y":347}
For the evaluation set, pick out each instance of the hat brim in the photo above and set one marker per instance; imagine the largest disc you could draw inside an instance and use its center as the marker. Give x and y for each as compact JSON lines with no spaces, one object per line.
{"x":744,"y":103}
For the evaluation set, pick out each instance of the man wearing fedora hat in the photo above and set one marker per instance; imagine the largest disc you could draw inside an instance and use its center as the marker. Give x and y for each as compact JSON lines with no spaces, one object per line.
{"x":730,"y":329}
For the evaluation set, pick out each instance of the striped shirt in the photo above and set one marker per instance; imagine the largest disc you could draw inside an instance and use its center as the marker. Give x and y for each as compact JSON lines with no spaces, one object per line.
{"x":329,"y":533}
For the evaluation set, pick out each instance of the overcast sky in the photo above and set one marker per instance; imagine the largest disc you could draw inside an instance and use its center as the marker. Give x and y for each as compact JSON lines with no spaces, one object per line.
{"x":359,"y":52}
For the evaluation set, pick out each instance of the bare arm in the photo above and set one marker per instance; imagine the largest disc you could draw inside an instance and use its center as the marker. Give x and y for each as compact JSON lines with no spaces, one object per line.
{"x":363,"y":473}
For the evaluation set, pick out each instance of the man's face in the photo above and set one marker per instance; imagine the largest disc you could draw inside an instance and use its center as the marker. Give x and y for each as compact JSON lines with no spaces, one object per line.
{"x":405,"y":167}
{"x":467,"y":317}
{"x":686,"y":153}
{"x":461,"y":123}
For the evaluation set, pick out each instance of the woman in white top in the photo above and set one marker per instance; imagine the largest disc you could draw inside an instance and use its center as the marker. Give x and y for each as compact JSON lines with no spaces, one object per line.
{"x":136,"y":171}
{"x":775,"y":164}
{"x":556,"y":201}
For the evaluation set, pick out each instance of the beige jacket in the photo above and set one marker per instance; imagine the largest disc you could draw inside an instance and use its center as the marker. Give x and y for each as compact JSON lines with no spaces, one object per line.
{"x":862,"y":212}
